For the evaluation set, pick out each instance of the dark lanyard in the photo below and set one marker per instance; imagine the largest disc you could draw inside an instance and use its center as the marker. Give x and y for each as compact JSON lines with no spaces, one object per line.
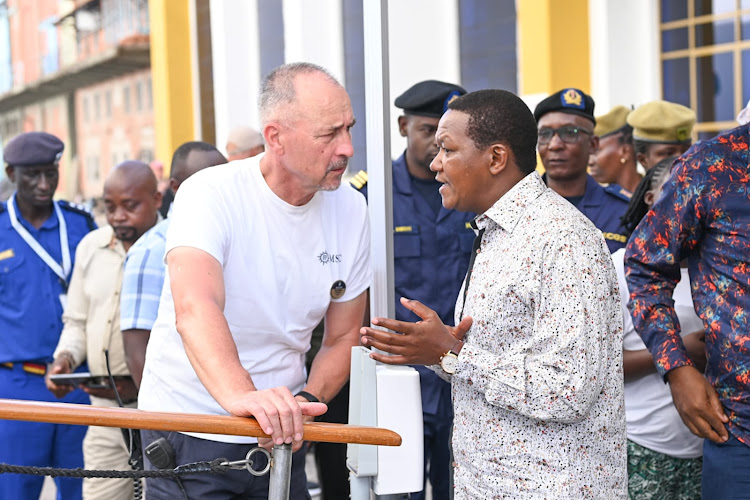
{"x":474,"y":252}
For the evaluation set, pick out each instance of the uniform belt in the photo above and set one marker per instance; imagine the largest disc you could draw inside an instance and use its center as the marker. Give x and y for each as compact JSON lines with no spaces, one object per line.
{"x":29,"y":367}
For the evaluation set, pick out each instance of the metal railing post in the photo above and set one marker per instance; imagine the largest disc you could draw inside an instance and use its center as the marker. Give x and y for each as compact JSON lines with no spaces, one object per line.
{"x":281,"y":472}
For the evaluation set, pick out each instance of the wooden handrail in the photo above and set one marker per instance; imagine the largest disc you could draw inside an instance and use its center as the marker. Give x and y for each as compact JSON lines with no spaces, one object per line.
{"x":129,"y":418}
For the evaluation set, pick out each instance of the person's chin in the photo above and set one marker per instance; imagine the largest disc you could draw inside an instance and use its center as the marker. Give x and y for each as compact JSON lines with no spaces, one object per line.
{"x":125,"y":235}
{"x":446,"y":194}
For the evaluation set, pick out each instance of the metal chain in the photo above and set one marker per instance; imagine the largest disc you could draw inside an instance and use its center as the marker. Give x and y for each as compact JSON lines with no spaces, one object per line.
{"x":218,"y":466}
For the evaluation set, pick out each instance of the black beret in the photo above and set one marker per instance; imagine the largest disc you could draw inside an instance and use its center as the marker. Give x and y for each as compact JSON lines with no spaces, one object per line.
{"x":428,"y":98}
{"x":571,"y":101}
{"x":33,"y":148}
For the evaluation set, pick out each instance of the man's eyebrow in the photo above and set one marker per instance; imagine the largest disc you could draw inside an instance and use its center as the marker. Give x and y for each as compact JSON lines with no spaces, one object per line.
{"x":338,"y":126}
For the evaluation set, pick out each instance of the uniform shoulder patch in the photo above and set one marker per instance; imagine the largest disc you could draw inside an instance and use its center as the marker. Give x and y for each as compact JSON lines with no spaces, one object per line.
{"x":619,"y":192}
{"x":359,"y":180}
{"x":79,"y":209}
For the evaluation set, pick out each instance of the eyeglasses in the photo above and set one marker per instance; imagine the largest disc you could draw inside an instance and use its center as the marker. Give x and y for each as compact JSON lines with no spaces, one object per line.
{"x":569,"y":135}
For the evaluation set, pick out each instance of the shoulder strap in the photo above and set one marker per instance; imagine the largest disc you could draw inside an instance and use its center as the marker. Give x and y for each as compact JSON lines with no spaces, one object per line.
{"x":359,"y":180}
{"x":81,"y":210}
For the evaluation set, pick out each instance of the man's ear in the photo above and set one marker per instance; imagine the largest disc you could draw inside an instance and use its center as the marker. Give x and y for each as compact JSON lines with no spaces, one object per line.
{"x":403,"y":121}
{"x":272,"y":136}
{"x":499,"y":157}
{"x":648,"y":198}
{"x":11,"y":173}
{"x":158,"y":196}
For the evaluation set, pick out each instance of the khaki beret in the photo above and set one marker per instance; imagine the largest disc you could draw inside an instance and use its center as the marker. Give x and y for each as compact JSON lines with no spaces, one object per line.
{"x":663,"y":122}
{"x":611,"y":122}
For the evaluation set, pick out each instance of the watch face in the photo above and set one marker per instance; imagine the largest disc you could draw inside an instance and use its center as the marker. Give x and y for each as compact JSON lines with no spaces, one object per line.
{"x":448,"y":363}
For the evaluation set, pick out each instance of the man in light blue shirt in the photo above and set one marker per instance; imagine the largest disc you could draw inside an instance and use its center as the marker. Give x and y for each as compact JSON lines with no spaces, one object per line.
{"x":143,"y":278}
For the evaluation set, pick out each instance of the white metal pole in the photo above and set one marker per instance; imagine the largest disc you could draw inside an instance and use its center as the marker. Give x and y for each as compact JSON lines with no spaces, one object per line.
{"x":379,"y":191}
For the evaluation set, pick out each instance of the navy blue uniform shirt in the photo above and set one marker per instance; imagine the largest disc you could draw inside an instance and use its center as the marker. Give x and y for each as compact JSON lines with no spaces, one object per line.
{"x":30,"y":307}
{"x":604,"y":209}
{"x":431,"y":255}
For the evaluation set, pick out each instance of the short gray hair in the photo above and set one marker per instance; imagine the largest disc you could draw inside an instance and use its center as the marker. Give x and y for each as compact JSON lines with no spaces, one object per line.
{"x":277,"y":88}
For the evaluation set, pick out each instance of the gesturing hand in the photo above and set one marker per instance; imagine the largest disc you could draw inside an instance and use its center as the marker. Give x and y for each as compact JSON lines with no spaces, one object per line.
{"x":698,"y":404}
{"x":277,"y":412}
{"x":420,"y":343}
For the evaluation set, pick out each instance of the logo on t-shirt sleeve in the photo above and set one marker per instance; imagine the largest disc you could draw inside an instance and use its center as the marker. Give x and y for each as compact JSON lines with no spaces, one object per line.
{"x":329,"y":258}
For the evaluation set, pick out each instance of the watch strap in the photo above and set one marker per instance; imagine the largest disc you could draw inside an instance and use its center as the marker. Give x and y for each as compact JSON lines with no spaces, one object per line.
{"x":309,"y":397}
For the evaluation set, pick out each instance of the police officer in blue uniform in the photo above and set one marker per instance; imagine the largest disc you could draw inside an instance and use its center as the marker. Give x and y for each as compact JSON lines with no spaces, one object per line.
{"x":565,"y":122}
{"x":38,"y":239}
{"x":431,"y":250}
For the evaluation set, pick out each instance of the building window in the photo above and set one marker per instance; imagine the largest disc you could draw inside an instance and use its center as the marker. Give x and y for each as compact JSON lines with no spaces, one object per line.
{"x":86,"y":116}
{"x":97,"y":107}
{"x":108,"y":103}
{"x":149,"y":94}
{"x":126,"y":98}
{"x":139,"y":96}
{"x":705,"y":59}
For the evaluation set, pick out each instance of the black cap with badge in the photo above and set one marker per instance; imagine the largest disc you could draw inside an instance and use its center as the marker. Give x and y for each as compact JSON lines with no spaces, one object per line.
{"x":570,"y":100}
{"x":33,"y":148}
{"x":428,"y":98}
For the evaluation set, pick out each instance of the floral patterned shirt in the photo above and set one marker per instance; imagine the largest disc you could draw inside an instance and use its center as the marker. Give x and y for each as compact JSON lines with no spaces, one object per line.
{"x":538,"y":388}
{"x":703,"y":215}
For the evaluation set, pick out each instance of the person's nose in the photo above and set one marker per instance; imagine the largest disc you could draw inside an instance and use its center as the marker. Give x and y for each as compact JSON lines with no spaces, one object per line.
{"x":119,"y":214}
{"x":555,"y":142}
{"x":44,"y":183}
{"x":346,"y":148}
{"x":436,"y":165}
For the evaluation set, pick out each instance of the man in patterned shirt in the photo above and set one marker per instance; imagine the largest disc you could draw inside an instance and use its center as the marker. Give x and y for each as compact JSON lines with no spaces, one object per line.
{"x":703,"y":216}
{"x":535,"y":362}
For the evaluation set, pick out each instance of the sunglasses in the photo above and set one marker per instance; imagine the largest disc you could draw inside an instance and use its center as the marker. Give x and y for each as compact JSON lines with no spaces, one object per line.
{"x":569,"y":135}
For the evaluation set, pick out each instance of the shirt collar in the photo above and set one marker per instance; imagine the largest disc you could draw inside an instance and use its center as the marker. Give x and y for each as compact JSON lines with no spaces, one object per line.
{"x":507,"y":211}
{"x":50,"y":223}
{"x":107,"y":238}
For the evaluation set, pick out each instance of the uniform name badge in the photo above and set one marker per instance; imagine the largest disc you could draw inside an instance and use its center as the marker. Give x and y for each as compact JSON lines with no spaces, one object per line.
{"x":64,"y":300}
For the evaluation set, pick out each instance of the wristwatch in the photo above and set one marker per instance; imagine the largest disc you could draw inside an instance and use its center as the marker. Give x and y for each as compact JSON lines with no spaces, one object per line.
{"x":449,"y":360}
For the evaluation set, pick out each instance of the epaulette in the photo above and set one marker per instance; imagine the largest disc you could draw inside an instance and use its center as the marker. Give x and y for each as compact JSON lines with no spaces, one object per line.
{"x":79,"y":209}
{"x":359,"y":180}
{"x":619,"y":192}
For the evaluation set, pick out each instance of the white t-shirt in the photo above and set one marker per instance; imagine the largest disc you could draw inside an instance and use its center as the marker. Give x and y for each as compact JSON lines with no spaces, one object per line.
{"x":280,"y":263}
{"x":652,"y":419}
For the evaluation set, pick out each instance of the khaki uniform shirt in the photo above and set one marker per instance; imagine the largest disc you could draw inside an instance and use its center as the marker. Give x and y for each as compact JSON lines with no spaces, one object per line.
{"x":92,"y":314}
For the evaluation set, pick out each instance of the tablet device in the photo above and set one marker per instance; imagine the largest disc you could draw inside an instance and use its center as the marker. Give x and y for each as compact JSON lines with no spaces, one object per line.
{"x":71,"y":378}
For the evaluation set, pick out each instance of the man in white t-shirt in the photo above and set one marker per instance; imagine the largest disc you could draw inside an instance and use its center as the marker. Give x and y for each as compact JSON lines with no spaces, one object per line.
{"x":258,"y":253}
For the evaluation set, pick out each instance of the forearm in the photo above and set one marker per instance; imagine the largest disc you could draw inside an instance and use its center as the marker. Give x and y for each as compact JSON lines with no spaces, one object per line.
{"x":135,"y":343}
{"x":330,"y":368}
{"x":636,"y":364}
{"x":547,"y":388}
{"x":72,"y":342}
{"x":213,"y":354}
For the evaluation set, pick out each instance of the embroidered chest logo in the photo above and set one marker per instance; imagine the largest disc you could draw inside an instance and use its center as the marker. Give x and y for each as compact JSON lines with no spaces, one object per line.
{"x":329,"y":258}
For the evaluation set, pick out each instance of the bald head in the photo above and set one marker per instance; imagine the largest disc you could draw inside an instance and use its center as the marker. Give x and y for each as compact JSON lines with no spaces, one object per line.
{"x":279,"y":90}
{"x":131,"y":200}
{"x":132,"y":173}
{"x":244,"y":142}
